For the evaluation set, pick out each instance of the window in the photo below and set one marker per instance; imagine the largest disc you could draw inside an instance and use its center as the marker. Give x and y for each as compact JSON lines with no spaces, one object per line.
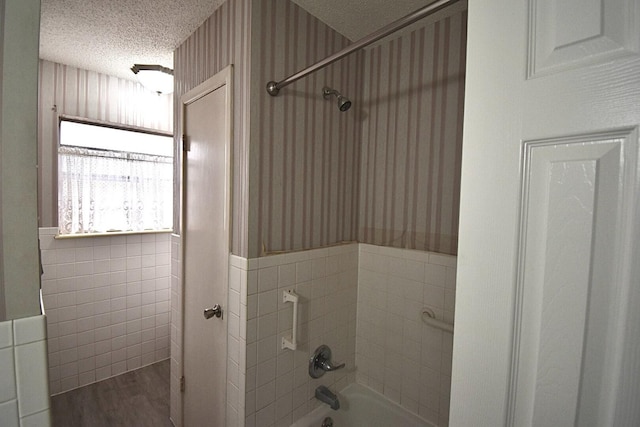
{"x":113,"y":179}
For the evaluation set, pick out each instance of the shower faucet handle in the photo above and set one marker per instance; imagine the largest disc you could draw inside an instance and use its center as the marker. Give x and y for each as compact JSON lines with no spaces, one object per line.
{"x":328,"y":367}
{"x":321,"y":362}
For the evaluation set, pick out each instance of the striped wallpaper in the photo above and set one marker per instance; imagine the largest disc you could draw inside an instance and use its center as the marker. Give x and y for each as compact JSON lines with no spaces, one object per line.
{"x":65,"y":90}
{"x":412,"y":138}
{"x":305,"y":155}
{"x":221,"y":40}
{"x":297,"y":186}
{"x":386,"y":172}
{"x":305,"y":175}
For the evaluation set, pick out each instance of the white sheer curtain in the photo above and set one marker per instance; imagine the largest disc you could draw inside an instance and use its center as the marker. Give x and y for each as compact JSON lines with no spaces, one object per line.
{"x":101,"y":191}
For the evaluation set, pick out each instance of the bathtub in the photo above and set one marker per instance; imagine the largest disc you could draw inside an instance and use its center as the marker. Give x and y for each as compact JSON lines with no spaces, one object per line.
{"x":360,"y":406}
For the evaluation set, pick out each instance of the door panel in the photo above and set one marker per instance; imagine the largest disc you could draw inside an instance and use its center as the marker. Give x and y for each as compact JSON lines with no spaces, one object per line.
{"x":548,"y":295}
{"x":570,"y":297}
{"x":568,"y":34}
{"x":206,"y":250}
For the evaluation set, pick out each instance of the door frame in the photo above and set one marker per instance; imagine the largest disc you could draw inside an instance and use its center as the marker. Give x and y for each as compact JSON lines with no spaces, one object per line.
{"x":222,"y":78}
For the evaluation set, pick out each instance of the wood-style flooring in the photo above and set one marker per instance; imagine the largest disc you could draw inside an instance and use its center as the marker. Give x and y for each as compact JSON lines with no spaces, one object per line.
{"x":136,"y":399}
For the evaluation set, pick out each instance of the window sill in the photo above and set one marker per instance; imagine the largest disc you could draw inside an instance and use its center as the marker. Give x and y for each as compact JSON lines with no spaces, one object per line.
{"x":109,"y":234}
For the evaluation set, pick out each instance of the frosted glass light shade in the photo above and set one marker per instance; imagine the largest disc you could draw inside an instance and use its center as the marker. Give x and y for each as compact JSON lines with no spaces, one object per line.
{"x":154,"y":77}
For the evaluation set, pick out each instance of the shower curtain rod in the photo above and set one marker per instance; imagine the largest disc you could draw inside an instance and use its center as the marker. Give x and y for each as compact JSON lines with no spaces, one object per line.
{"x":274,"y":87}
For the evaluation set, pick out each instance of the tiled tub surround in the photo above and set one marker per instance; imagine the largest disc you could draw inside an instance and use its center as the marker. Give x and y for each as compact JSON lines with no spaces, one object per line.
{"x":107,"y":304}
{"x":397,"y":354}
{"x":278,"y":387}
{"x":388,"y":287}
{"x":24,"y":392}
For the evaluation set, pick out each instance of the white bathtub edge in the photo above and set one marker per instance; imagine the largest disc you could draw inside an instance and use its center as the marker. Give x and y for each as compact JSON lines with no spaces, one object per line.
{"x":315,"y":417}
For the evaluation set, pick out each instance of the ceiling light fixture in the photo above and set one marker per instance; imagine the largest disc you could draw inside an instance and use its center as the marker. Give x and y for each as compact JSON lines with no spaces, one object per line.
{"x":154,"y":77}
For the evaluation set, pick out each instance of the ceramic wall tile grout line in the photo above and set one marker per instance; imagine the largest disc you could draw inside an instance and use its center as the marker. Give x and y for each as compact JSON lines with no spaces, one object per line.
{"x":292,"y":344}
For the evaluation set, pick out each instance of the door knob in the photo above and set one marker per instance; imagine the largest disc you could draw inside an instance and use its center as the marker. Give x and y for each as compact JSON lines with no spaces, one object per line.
{"x":216,"y":310}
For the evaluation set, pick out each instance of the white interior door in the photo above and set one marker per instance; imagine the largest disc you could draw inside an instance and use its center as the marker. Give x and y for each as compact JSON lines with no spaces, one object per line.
{"x":548,"y":292}
{"x":205,"y":234}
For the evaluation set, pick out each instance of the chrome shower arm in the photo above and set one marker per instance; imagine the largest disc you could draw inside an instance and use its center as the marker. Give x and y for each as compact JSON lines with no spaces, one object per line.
{"x":326,"y":92}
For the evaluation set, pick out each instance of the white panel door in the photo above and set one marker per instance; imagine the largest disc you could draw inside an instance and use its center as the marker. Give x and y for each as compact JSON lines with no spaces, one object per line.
{"x":205,"y":234}
{"x":548,"y":291}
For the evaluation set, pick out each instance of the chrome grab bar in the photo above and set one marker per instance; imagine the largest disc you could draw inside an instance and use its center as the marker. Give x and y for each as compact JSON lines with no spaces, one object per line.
{"x":429,"y":317}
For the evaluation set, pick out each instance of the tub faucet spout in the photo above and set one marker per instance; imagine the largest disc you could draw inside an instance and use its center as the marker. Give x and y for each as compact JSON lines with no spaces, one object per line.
{"x":325,"y":395}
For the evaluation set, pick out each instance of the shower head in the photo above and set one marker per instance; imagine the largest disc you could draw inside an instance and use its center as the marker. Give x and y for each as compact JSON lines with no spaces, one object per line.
{"x":343,"y":102}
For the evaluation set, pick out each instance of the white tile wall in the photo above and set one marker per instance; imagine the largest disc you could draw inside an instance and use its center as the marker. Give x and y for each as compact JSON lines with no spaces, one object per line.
{"x":175,"y":399}
{"x":107,"y":304}
{"x":236,"y":342}
{"x":387,"y":287}
{"x":393,"y":287}
{"x":24,"y":391}
{"x":278,"y":387}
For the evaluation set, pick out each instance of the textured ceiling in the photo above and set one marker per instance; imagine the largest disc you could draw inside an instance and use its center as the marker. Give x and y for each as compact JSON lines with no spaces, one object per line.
{"x":110,"y":36}
{"x":355,"y":19}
